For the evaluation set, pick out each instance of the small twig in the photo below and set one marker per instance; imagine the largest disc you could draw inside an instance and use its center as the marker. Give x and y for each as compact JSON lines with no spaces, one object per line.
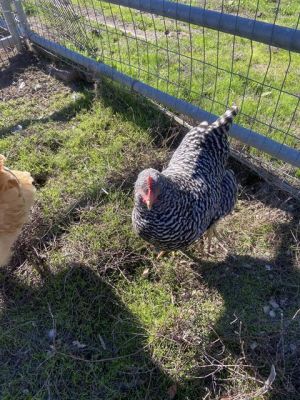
{"x":296,"y":314}
{"x":102,"y":342}
{"x":241,"y":341}
{"x":124,"y":276}
{"x":48,"y":389}
{"x":281,"y":341}
{"x":101,"y":360}
{"x":53,"y":324}
{"x":149,"y":384}
{"x":219,"y":368}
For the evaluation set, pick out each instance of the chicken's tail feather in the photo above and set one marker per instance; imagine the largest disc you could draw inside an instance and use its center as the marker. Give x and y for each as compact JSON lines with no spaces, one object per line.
{"x":225,"y":121}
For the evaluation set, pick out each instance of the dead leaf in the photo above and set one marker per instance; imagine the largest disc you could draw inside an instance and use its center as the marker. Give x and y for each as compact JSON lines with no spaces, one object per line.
{"x":78,"y":344}
{"x":253,"y":345}
{"x":145,"y":273}
{"x":266,"y":94}
{"x":271,"y":378}
{"x":22,"y":85}
{"x":172,"y":391}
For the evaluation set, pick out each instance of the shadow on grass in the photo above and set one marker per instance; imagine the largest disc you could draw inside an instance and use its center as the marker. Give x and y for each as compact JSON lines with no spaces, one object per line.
{"x":17,"y":64}
{"x":63,"y":115}
{"x":56,"y":337}
{"x":259,"y":325}
{"x":133,"y":107}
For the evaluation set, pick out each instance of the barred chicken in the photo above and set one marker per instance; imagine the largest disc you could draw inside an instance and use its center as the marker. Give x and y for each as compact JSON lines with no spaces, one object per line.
{"x":16,"y":199}
{"x":176,"y":207}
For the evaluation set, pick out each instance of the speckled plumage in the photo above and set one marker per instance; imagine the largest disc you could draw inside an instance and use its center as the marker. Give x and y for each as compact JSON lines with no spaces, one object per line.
{"x":195,"y":190}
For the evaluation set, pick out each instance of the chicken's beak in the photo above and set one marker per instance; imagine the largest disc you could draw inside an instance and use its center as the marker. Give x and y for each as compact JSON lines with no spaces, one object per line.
{"x":149,"y":204}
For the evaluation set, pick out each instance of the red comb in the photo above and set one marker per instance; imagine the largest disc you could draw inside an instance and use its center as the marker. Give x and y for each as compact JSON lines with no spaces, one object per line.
{"x":150,"y":183}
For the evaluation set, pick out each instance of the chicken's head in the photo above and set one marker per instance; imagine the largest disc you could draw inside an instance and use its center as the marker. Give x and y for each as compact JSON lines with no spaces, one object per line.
{"x":148,"y":187}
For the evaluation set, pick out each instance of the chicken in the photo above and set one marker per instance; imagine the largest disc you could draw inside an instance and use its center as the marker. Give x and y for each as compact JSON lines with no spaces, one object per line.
{"x":176,"y":207}
{"x":16,"y":198}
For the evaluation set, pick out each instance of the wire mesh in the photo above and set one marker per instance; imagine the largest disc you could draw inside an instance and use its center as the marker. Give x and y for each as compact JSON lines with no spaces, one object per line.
{"x":7,"y":47}
{"x":205,"y":67}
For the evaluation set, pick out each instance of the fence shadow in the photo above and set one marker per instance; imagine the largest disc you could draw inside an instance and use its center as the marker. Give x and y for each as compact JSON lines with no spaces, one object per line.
{"x":26,"y":61}
{"x":17,"y":64}
{"x":49,"y":348}
{"x":258,"y":325}
{"x":62,"y":115}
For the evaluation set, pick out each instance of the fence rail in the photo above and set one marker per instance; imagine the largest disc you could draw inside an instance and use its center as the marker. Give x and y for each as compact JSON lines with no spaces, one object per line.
{"x":194,"y":57}
{"x":273,"y":35}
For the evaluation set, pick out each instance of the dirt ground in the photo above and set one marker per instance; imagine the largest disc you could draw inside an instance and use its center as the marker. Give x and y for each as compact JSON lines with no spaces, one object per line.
{"x":27,"y":77}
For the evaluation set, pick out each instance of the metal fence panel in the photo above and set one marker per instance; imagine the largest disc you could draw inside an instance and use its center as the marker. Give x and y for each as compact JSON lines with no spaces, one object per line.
{"x":202,"y":65}
{"x":7,"y":41}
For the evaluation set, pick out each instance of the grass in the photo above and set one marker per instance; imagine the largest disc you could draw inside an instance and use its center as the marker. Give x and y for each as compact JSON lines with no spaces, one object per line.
{"x":202,"y":66}
{"x":87,"y":311}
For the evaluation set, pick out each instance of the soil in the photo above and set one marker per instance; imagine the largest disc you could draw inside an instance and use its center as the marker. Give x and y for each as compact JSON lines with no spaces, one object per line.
{"x":27,"y":77}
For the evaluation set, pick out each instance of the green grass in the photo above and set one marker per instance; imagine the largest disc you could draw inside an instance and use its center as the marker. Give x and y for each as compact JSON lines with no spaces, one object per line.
{"x":127,"y":325}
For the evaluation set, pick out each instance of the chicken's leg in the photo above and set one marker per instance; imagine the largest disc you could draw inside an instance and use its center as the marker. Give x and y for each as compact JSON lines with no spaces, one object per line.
{"x":201,"y":246}
{"x":212,"y":231}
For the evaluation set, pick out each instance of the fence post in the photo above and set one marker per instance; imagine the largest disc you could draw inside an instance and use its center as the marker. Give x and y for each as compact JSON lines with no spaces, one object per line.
{"x":23,"y":23}
{"x":11,"y":23}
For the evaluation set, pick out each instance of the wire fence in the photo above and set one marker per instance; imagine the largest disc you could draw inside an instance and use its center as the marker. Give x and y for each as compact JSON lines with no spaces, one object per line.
{"x":171,"y":46}
{"x":7,"y":45}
